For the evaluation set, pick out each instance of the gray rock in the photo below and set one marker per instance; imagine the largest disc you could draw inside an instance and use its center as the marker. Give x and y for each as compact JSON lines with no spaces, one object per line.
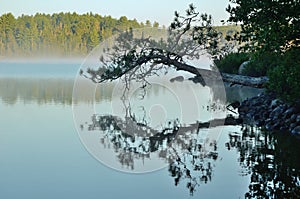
{"x":269,"y":126}
{"x":293,"y":118}
{"x":287,"y":121}
{"x":275,"y":118}
{"x":178,"y":78}
{"x":246,"y":102}
{"x":276,"y":112}
{"x":288,"y":113}
{"x":248,"y":115}
{"x":266,"y":115}
{"x":242,"y":67}
{"x":256,"y":102}
{"x":284,"y":108}
{"x":261,"y":95}
{"x":298,"y":119}
{"x":276,"y":126}
{"x":257,"y":117}
{"x":296,"y":130}
{"x":292,"y":126}
{"x":274,"y":103}
{"x":243,"y":109}
{"x":268,"y":120}
{"x":260,"y":122}
{"x":198,"y":79}
{"x":282,"y":128}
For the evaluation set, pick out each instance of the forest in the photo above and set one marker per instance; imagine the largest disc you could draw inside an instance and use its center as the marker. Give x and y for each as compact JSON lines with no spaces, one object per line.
{"x":63,"y":34}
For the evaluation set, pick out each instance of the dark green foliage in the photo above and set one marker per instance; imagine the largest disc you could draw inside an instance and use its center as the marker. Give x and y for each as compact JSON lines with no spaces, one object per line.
{"x":271,"y":26}
{"x":58,"y":34}
{"x":271,"y":29}
{"x":260,"y":64}
{"x":284,"y":79}
{"x":230,"y":63}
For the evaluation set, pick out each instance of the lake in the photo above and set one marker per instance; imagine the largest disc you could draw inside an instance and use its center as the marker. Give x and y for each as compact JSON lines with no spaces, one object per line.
{"x":59,"y":142}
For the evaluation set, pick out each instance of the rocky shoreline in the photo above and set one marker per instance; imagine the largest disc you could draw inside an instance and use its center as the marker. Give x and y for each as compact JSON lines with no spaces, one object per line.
{"x":272,"y":114}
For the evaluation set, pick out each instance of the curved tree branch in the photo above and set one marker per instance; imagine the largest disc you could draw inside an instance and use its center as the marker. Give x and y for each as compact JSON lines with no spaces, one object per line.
{"x":136,"y":55}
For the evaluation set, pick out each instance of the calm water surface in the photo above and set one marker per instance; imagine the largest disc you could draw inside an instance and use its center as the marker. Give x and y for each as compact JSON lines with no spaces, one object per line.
{"x":42,"y":154}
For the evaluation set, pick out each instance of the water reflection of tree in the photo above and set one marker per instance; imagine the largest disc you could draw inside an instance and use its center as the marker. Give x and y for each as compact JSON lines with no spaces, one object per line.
{"x":190,"y":157}
{"x":273,"y":161}
{"x":195,"y":166}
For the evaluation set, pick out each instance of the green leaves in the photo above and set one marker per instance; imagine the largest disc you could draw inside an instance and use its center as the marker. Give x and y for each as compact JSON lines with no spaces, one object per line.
{"x":284,"y":78}
{"x":271,"y":29}
{"x":231,"y":62}
{"x":58,"y":34}
{"x":267,"y":25}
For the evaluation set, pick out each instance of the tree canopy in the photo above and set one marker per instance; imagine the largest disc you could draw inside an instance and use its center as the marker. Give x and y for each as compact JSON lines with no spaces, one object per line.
{"x":271,"y":29}
{"x":272,"y":26}
{"x":59,"y":33}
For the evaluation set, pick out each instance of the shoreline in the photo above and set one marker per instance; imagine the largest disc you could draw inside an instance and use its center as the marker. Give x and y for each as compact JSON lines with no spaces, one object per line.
{"x":271,"y":114}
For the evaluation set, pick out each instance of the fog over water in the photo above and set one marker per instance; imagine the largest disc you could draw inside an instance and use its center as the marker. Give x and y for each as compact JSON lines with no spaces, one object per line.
{"x":45,"y":154}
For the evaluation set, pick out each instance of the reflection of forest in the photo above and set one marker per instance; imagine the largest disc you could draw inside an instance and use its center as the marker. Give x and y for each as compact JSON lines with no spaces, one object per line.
{"x":54,"y":90}
{"x":59,"y":91}
{"x":271,"y":159}
{"x":43,"y":91}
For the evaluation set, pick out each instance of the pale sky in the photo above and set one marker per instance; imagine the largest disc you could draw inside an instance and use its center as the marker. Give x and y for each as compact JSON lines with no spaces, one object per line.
{"x":161,"y":11}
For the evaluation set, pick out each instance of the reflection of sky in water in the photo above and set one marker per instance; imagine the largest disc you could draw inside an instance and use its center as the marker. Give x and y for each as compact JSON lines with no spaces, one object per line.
{"x":42,"y":156}
{"x":59,"y":90}
{"x":184,"y":101}
{"x":39,"y":69}
{"x":181,"y":101}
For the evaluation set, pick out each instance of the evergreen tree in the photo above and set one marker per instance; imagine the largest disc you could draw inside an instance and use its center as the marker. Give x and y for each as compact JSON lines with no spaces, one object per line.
{"x":59,"y":33}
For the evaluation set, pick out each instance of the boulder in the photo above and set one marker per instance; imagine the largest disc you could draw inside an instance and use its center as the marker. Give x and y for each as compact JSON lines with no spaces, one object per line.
{"x":270,"y":113}
{"x":298,"y":119}
{"x":178,"y":78}
{"x":292,"y":126}
{"x":274,"y":103}
{"x":242,"y":67}
{"x":276,"y":112}
{"x":198,"y":79}
{"x":260,"y":123}
{"x":296,"y":130}
{"x":269,"y":126}
{"x":293,"y":118}
{"x":288,"y":113}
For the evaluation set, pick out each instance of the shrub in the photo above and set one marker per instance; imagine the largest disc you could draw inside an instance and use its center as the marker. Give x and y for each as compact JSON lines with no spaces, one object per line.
{"x":231,"y":62}
{"x":260,"y":64}
{"x":284,"y":79}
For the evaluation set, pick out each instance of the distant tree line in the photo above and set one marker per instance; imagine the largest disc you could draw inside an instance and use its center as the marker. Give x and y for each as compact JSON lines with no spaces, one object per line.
{"x":61,"y":34}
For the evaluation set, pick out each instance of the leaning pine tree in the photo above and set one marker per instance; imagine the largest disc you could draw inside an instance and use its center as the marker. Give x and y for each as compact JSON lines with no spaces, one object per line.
{"x":135,"y":58}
